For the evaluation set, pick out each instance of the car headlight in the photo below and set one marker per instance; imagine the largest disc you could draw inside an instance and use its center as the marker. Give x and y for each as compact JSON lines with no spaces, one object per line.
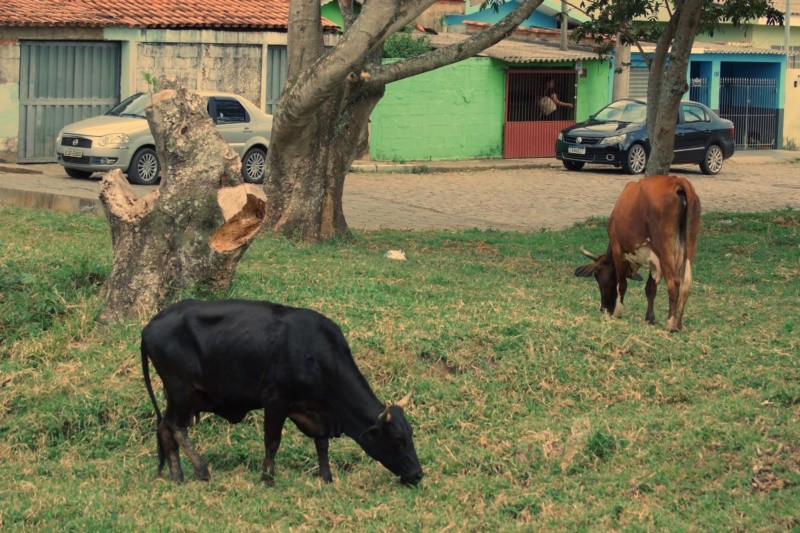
{"x":560,"y":136}
{"x":58,"y":137}
{"x":114,"y":139}
{"x":614,"y":139}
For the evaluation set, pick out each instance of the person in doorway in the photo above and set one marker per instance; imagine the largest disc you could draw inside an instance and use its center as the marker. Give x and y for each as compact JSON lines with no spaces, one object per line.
{"x":549,"y":102}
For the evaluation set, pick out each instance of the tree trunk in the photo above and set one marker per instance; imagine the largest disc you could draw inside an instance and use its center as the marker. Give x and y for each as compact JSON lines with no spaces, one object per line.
{"x":190,"y":232}
{"x":667,"y":83}
{"x":322,"y":117}
{"x":305,"y":181}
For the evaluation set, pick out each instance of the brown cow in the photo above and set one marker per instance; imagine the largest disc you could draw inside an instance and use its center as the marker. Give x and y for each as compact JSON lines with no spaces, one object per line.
{"x":654,"y":224}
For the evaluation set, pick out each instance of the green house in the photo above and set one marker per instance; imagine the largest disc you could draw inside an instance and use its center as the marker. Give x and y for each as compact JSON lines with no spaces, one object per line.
{"x":487,"y":106}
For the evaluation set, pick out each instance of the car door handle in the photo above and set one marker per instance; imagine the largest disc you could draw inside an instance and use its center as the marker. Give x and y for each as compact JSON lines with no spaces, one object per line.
{"x":247,"y":129}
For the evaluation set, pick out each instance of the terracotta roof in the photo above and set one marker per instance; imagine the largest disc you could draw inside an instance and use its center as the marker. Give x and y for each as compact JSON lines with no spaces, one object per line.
{"x":216,"y":14}
{"x":521,"y":52}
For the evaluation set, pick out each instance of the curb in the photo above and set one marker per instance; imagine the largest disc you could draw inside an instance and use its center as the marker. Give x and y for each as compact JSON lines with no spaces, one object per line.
{"x":431,"y":167}
{"x":19,"y":169}
{"x":52,"y":201}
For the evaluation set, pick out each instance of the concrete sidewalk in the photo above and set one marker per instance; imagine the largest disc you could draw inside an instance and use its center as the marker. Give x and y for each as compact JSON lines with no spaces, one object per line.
{"x":480,"y":193}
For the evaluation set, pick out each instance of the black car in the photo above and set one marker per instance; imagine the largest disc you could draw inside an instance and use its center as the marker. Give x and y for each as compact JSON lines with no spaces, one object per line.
{"x":617,"y":135}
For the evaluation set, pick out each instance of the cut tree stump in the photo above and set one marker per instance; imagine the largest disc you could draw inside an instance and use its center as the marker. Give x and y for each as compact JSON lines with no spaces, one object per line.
{"x":191,"y":232}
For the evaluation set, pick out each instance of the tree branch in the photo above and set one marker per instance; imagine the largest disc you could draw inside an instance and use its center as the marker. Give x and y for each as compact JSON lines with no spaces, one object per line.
{"x":305,"y":28}
{"x":378,"y":20}
{"x":454,"y":52}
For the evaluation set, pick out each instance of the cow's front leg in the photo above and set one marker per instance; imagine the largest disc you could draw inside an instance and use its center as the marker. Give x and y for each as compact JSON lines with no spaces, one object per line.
{"x":622,"y":287}
{"x":650,"y":290}
{"x":322,"y":454}
{"x":200,"y":467}
{"x":273,"y":428}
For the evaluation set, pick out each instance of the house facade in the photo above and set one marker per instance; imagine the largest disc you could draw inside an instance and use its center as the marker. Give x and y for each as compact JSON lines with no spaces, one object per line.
{"x":749,"y":74}
{"x":744,"y":85}
{"x":64,"y":62}
{"x":488,"y":106}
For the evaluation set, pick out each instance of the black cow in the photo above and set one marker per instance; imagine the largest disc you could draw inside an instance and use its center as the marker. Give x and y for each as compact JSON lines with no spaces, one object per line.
{"x":232,"y":356}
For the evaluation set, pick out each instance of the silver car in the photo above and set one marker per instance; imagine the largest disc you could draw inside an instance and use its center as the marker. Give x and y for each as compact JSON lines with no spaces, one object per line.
{"x":122,"y":139}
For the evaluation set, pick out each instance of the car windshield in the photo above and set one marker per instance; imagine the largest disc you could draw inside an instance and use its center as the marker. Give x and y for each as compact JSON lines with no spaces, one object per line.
{"x":133,"y":106}
{"x":623,"y":111}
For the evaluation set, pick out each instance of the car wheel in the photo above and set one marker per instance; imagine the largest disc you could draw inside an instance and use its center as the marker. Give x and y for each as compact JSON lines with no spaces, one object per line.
{"x":75,"y":173}
{"x":254,"y":165}
{"x":144,"y":169}
{"x":573,"y":165}
{"x":712,"y":160}
{"x":635,"y":160}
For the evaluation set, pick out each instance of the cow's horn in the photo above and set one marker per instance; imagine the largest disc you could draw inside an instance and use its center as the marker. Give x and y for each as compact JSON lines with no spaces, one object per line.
{"x":590,"y":255}
{"x":404,"y":400}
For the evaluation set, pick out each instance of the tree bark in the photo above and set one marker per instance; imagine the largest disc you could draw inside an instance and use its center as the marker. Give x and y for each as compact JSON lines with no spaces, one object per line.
{"x":322,"y":117}
{"x":188,"y":234}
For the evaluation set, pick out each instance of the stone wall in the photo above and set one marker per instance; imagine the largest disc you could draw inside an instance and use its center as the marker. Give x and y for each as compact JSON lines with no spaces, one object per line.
{"x":9,"y":99}
{"x":211,"y":67}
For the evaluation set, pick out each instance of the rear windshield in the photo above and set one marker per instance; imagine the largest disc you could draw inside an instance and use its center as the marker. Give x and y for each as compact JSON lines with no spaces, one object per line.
{"x":623,"y":111}
{"x":132,"y":106}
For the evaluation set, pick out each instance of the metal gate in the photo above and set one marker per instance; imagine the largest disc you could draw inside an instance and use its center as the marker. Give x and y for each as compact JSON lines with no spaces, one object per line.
{"x":278,"y":68}
{"x":60,"y":83}
{"x":752,"y":105}
{"x":699,"y":90}
{"x":528,"y":129}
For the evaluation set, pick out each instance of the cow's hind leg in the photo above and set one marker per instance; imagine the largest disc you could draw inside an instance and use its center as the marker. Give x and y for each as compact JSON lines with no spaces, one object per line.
{"x":686,"y":284}
{"x":673,"y":291}
{"x":322,"y":453}
{"x":650,"y":289}
{"x":167,"y":441}
{"x":200,"y":467}
{"x":274,"y":419}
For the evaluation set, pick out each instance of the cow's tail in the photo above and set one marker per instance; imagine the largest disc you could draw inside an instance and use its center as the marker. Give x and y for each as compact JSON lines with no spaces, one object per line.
{"x":689,"y":227}
{"x":688,"y":224}
{"x":162,"y":456}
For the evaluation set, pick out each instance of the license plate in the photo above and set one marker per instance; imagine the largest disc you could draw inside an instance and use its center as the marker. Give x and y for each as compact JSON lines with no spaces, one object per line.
{"x":73,"y":152}
{"x":576,"y":149}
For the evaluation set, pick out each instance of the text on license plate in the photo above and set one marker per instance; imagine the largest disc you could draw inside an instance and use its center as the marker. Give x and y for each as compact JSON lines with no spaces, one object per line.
{"x":570,"y":149}
{"x":73,"y":152}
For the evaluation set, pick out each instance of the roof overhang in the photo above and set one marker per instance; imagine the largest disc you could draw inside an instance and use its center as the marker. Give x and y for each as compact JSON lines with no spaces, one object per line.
{"x":512,"y":51}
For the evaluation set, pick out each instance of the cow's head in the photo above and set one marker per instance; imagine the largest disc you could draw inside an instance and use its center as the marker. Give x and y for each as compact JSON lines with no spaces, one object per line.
{"x":391,"y":443}
{"x":605,"y":273}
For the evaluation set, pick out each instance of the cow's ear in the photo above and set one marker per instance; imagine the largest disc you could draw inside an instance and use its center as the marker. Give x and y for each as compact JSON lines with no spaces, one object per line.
{"x":587,"y":271}
{"x":371,"y":434}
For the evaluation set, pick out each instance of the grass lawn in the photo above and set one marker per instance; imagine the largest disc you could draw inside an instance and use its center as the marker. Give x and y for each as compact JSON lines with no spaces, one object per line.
{"x":531,"y":410}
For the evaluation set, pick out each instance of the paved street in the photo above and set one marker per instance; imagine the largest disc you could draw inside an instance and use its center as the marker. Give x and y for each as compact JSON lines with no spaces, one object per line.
{"x":524,"y":195}
{"x":531,"y":199}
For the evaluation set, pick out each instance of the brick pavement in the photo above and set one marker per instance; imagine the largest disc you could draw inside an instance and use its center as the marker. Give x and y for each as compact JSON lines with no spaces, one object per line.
{"x":551,"y":198}
{"x":523,"y":195}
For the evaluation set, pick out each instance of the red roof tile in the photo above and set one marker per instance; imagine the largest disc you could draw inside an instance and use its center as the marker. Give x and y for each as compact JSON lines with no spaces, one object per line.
{"x":216,"y":14}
